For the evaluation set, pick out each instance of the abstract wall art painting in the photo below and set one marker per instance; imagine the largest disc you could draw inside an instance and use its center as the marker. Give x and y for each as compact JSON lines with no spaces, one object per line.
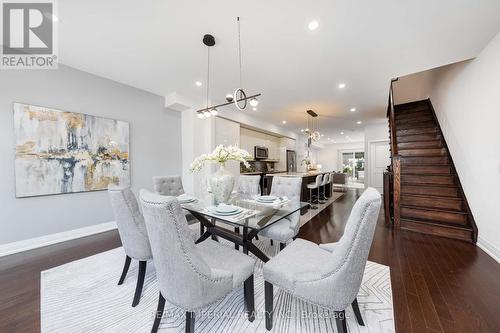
{"x":64,"y":152}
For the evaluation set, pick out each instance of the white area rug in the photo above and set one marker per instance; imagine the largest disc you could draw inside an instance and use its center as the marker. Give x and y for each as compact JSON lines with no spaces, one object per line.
{"x":83,"y":296}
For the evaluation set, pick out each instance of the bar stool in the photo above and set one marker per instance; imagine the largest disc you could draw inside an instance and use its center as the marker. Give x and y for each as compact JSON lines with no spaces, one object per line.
{"x":312,"y":186}
{"x":324,"y":182}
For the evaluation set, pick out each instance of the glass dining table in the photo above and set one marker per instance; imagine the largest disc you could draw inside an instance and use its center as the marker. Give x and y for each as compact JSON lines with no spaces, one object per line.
{"x":246,"y":219}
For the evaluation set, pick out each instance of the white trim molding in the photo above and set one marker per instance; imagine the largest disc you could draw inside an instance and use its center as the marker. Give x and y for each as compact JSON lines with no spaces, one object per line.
{"x":34,"y":243}
{"x":489,"y":248}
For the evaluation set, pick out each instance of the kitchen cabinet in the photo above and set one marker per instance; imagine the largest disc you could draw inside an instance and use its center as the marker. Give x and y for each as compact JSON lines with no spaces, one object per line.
{"x":251,"y":138}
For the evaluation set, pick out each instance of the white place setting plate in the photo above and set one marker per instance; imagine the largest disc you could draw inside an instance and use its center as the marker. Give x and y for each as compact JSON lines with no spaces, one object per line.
{"x":184,"y":198}
{"x":226,"y":210}
{"x":266,"y":198}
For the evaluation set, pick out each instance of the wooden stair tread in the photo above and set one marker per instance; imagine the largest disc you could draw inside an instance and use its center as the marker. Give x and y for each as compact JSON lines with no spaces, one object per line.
{"x":425,"y":174}
{"x":428,"y":185}
{"x":432,"y":196}
{"x":435,"y":209}
{"x":444,"y":224}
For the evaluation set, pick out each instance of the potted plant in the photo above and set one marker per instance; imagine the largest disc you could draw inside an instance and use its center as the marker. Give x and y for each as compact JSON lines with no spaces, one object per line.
{"x":222,"y":181}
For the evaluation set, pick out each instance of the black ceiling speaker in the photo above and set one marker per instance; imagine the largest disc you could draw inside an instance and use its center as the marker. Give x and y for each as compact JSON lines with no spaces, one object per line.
{"x":208,"y":40}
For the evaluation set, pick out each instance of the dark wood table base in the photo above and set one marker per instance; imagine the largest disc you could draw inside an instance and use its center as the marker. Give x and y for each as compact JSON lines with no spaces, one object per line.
{"x":210,"y":229}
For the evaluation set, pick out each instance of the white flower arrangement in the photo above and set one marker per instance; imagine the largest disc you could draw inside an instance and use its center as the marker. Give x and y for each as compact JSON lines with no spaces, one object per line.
{"x":221,"y":154}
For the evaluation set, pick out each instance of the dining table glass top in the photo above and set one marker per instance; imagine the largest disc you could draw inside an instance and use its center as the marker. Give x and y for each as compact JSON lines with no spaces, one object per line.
{"x":254,"y":212}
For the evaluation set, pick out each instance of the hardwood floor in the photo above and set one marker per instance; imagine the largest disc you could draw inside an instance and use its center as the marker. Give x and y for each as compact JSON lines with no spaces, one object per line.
{"x":439,"y":285}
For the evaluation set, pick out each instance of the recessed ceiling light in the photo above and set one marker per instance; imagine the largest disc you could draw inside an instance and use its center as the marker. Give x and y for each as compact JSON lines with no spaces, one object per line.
{"x":322,"y":135}
{"x":198,"y":84}
{"x":334,"y":141}
{"x":255,"y":109}
{"x":341,"y":85}
{"x":302,"y":130}
{"x":359,"y":122}
{"x":283,"y":122}
{"x":328,"y":138}
{"x":341,"y":133}
{"x":313,"y":25}
{"x":353,"y":110}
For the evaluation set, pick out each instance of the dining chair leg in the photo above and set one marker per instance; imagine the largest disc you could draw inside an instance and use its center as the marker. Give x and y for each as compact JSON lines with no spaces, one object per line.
{"x":282,"y":246}
{"x":202,"y":229}
{"x":140,"y":282}
{"x":340,"y":320}
{"x":158,"y":314}
{"x":190,"y":319}
{"x":268,"y":291}
{"x":256,"y":237}
{"x":237,"y":230}
{"x":272,"y":243}
{"x":125,"y":269}
{"x":248,"y":291}
{"x":357,"y":313}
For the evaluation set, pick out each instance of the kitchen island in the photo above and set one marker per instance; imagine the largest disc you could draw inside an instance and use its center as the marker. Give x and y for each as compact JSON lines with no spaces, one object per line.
{"x":307,"y":177}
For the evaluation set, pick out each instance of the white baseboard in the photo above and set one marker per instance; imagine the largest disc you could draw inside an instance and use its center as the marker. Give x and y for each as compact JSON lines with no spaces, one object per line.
{"x":33,"y":243}
{"x":489,"y":248}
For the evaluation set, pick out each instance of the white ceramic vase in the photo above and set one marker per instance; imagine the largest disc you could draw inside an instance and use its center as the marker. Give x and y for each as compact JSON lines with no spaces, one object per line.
{"x":222,"y":184}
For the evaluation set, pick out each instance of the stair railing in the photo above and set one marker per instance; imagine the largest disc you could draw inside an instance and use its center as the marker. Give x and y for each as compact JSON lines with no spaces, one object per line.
{"x":392,"y":178}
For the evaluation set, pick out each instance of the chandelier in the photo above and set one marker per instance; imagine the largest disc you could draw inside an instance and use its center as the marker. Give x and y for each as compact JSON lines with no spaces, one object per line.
{"x":239,"y":97}
{"x":312,"y":130}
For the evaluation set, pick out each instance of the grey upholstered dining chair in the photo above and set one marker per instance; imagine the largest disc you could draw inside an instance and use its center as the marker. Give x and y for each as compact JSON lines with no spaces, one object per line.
{"x":327,"y":275}
{"x":168,"y":185}
{"x":191,"y":276}
{"x":286,"y":229}
{"x":133,"y":234}
{"x":249,"y":184}
{"x":172,"y":186}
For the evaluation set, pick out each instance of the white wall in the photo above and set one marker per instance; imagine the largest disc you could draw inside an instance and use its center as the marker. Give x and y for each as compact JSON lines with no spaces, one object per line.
{"x":155,"y":146}
{"x":465,"y":99}
{"x":328,"y":157}
{"x":375,"y":132}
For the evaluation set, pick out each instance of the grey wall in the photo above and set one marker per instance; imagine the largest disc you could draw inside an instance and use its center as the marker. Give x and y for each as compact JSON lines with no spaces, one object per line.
{"x":155,"y":146}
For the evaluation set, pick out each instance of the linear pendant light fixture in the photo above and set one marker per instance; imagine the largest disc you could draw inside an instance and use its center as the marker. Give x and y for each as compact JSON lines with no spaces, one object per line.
{"x":239,"y":98}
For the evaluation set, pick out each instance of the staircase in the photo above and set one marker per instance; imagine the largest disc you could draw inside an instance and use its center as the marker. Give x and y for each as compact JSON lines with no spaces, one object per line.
{"x":430,"y":197}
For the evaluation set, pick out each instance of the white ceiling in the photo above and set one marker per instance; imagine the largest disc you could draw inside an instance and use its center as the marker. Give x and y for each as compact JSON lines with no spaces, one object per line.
{"x":155,"y":45}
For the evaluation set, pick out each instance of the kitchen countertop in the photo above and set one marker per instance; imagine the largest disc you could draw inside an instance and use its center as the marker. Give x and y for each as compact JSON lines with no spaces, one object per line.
{"x":296,"y":174}
{"x":261,"y":173}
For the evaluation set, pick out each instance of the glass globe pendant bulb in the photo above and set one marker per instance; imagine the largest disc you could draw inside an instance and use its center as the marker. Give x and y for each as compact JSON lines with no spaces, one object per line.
{"x":254,"y":102}
{"x":200,"y":115}
{"x":206,"y":114}
{"x":316,"y":136}
{"x":214,"y":112}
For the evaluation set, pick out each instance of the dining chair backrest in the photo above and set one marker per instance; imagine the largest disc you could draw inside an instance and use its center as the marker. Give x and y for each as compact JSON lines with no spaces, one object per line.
{"x":249,"y":184}
{"x":183,"y":276}
{"x":130,"y":222}
{"x":291,"y":188}
{"x":168,"y":185}
{"x":342,"y":275}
